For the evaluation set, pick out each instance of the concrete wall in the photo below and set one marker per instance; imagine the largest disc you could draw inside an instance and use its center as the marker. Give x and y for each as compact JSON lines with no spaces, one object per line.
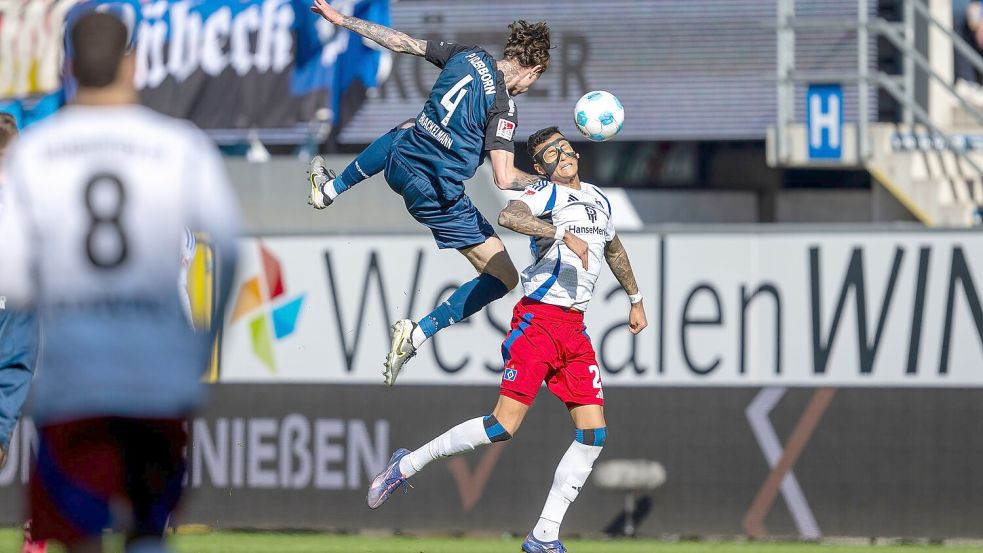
{"x":273,"y":196}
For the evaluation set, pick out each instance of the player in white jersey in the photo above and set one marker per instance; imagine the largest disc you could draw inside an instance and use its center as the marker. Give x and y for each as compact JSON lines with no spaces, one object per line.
{"x":100,"y":195}
{"x":548,"y":341}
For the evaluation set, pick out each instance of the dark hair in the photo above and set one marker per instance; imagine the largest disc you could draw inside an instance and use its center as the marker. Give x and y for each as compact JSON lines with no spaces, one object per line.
{"x":528,"y":44}
{"x":540,"y":137}
{"x":8,"y":130}
{"x":99,"y":43}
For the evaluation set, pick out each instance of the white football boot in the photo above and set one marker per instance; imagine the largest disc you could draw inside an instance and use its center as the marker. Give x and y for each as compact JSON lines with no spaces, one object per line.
{"x":402,"y":350}
{"x":319,"y":177}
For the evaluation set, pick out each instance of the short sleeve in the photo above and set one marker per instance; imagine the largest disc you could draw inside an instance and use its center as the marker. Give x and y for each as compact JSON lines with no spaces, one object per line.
{"x":540,"y":197}
{"x":609,"y":232}
{"x":439,"y":53}
{"x":503,"y":119}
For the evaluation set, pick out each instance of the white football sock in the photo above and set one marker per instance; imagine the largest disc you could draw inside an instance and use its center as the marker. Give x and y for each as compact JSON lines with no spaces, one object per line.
{"x":571,"y":473}
{"x":417,"y":337}
{"x":462,"y":438}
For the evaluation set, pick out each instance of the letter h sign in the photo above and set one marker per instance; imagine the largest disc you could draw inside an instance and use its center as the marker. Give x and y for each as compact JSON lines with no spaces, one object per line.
{"x":824,"y":121}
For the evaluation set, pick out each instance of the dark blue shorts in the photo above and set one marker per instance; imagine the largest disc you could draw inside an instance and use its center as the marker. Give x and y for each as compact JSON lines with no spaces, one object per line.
{"x":455,"y":222}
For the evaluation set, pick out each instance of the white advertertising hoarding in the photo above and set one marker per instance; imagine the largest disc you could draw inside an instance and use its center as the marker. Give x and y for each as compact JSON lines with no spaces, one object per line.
{"x":744,"y":309}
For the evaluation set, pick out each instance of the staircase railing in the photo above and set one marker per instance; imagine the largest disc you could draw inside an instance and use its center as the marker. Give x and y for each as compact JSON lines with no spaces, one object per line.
{"x":900,"y":87}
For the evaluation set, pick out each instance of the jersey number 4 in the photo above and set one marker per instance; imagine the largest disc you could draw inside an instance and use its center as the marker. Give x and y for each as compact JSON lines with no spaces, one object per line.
{"x":453,"y":98}
{"x":105,"y":242}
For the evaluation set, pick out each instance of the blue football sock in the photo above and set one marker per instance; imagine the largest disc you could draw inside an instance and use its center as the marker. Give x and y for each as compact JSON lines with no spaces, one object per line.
{"x":372,"y":160}
{"x":466,"y":301}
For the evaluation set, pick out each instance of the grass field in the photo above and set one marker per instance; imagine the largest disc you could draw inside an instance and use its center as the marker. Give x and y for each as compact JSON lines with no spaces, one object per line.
{"x":329,"y":543}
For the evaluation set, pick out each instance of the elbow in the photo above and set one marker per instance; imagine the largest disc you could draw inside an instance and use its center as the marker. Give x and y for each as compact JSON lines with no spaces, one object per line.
{"x":502,"y":184}
{"x":503,"y":177}
{"x":503,"y":219}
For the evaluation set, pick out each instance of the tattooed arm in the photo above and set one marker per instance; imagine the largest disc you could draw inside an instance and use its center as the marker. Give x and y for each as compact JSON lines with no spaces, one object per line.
{"x":617,"y":258}
{"x":386,"y":37}
{"x":507,"y":176}
{"x":518,"y":217}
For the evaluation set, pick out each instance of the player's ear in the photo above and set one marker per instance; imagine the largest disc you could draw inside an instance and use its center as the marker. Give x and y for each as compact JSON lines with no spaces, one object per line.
{"x":538,"y":169}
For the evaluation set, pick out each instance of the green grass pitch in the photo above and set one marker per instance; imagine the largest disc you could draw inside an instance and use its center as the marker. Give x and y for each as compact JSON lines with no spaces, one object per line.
{"x":268,"y":542}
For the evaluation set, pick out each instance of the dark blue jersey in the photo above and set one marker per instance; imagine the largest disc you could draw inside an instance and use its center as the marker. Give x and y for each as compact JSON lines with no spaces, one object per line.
{"x":469,"y":111}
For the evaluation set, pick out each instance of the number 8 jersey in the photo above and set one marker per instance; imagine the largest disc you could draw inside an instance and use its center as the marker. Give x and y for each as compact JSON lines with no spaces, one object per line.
{"x":97,"y":201}
{"x":469,"y":110}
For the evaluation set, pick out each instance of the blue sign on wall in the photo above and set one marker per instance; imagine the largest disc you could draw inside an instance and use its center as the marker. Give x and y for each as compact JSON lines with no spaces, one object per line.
{"x":824,"y":121}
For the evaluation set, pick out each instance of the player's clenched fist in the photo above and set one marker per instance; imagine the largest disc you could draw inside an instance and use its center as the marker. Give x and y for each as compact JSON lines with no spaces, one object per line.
{"x":636,"y":318}
{"x":324,"y":9}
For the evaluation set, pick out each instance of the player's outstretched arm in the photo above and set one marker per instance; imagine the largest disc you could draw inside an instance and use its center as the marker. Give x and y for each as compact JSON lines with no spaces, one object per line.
{"x":507,"y":176}
{"x":519,"y":218}
{"x":386,"y":37}
{"x":617,"y":258}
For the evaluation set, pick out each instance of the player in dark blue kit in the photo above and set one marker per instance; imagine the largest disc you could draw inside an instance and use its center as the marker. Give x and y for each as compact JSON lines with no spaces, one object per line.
{"x":469,"y":111}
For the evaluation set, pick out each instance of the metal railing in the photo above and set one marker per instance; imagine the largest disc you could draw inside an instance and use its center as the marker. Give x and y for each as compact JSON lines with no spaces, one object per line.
{"x":900,"y":87}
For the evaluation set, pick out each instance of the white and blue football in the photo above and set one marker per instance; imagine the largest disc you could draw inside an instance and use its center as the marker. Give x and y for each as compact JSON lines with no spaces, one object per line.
{"x":599,"y":115}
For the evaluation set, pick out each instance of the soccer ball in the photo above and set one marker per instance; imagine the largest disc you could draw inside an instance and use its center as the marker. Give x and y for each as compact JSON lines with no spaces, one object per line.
{"x":599,"y":115}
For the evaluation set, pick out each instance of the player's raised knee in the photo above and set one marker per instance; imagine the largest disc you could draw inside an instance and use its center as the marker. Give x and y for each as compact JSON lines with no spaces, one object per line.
{"x":511,"y":278}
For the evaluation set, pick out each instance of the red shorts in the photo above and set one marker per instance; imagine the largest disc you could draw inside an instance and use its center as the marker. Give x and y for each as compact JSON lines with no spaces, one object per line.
{"x":84,"y":467}
{"x":550,"y":344}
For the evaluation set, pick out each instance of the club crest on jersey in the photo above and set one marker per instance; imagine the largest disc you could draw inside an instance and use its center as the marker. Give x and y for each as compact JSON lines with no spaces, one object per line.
{"x":510,"y":375}
{"x":506,"y":129}
{"x":591,"y":213}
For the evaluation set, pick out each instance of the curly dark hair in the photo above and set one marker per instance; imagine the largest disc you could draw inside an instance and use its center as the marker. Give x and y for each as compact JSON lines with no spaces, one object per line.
{"x":528,"y":43}
{"x":540,"y":137}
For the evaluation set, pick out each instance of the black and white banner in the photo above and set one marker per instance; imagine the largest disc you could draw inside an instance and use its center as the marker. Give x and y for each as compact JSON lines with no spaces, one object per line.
{"x":732,"y":309}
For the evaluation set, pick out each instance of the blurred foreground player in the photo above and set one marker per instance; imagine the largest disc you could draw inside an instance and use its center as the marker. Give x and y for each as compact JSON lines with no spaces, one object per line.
{"x":548,"y":341}
{"x":100,"y":195}
{"x":470,"y":111}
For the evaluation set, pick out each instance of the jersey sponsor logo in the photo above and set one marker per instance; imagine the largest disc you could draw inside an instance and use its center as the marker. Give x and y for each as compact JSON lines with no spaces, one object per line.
{"x":530,"y":192}
{"x":510,"y":375}
{"x":506,"y":129}
{"x":487,"y":81}
{"x":256,"y":297}
{"x":577,"y":229}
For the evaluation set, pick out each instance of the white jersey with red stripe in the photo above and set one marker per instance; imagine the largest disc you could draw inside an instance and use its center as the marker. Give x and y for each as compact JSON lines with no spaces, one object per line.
{"x":96,"y":206}
{"x":557,"y":276}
